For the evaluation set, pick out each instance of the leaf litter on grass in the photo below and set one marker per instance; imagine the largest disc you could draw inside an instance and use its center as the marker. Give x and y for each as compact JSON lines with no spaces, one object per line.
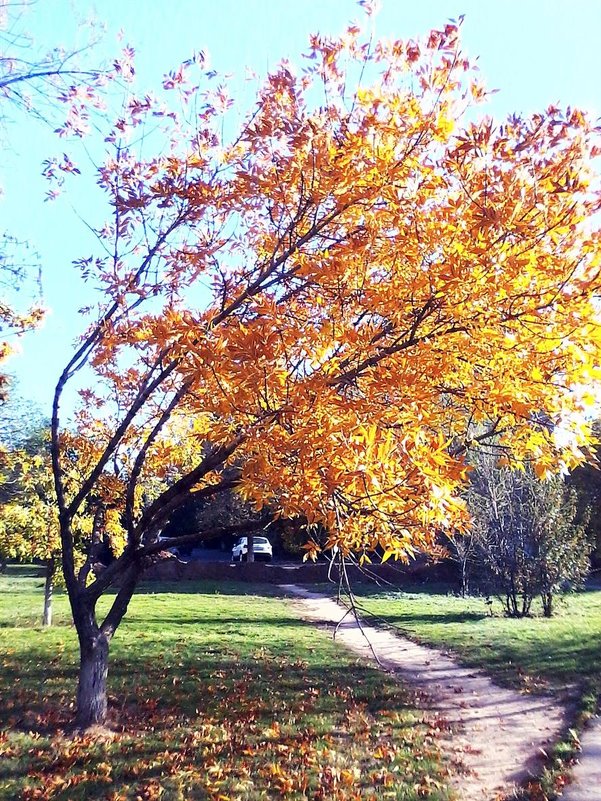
{"x":265,"y":708}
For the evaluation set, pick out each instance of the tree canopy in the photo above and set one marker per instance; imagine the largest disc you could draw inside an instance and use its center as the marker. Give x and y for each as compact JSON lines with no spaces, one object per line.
{"x":339,"y":297}
{"x":340,"y":293}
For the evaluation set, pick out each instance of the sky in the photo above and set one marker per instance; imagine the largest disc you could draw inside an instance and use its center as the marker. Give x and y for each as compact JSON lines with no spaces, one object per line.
{"x":534,"y":52}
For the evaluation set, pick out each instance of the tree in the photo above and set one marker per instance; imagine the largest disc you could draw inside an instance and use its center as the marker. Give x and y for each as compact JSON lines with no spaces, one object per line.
{"x":464,"y":552}
{"x":29,"y":526}
{"x":200,"y":514}
{"x":21,"y":426}
{"x":22,"y":423}
{"x":28,"y":521}
{"x":16,"y":273}
{"x":586,"y":482}
{"x":342,"y":296}
{"x":527,"y":539}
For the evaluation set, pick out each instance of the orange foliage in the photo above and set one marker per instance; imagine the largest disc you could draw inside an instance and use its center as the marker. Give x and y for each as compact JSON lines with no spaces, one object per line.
{"x":346,"y":295}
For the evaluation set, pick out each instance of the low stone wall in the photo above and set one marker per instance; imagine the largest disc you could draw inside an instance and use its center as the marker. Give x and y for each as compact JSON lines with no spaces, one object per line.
{"x":308,"y":573}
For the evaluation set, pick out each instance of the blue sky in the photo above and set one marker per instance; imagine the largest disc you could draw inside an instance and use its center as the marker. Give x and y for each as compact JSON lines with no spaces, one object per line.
{"x":535,"y":52}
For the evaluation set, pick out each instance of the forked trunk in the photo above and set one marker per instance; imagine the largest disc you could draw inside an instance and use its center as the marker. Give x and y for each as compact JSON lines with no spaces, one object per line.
{"x":93,"y":672}
{"x":48,"y":592}
{"x":94,"y":643}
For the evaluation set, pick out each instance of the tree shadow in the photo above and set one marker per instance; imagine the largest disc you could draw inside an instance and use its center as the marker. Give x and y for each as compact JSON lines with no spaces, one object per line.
{"x":407,"y":618}
{"x":284,"y":622}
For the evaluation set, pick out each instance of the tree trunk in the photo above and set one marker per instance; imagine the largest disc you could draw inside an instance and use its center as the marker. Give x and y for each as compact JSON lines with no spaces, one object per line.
{"x":93,"y":672}
{"x":94,"y":643}
{"x":547,"y":599}
{"x":250,"y":547}
{"x":48,"y":592}
{"x":464,"y":577}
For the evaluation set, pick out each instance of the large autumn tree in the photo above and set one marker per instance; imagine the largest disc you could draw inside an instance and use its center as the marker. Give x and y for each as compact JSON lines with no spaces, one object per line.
{"x":325,"y":306}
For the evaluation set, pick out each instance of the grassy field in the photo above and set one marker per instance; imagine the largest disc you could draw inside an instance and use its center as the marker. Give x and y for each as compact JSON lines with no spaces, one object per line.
{"x":561,"y":654}
{"x":227,"y":697}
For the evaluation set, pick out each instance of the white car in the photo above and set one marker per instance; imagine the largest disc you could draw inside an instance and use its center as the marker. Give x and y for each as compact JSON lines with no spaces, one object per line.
{"x":261,"y":547}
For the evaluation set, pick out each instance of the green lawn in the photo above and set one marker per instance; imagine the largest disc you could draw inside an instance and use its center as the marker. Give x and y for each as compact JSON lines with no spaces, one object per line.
{"x":213,"y":696}
{"x":561,"y":654}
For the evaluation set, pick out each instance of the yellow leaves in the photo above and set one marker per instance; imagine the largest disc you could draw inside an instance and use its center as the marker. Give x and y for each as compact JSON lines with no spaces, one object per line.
{"x":348,"y":292}
{"x":115,"y":531}
{"x":29,"y":519}
{"x":364,"y":95}
{"x":273,"y":732}
{"x":444,"y":126}
{"x":366,"y":435}
{"x":312,"y":551}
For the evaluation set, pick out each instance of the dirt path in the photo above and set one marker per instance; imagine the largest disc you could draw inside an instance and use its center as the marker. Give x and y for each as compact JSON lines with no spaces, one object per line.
{"x":498,"y":735}
{"x":587,"y":773}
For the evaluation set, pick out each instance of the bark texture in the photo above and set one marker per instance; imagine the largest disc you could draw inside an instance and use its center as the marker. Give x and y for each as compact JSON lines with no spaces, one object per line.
{"x":93,"y":672}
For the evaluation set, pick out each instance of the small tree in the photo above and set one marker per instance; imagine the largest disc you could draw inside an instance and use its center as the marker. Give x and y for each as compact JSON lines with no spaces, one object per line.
{"x":586,"y":482}
{"x":463,"y":551}
{"x":28,"y":515}
{"x":29,"y":531}
{"x":527,"y":536}
{"x":29,"y":524}
{"x":563,"y":543}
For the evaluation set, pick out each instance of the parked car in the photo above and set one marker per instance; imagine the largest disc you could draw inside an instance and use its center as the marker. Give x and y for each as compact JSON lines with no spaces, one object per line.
{"x":261,"y":547}
{"x":172,"y":551}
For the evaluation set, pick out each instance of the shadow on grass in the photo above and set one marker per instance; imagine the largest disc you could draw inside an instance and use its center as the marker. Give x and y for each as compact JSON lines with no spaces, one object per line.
{"x":23,"y":571}
{"x":40,"y":698}
{"x":410,"y":618}
{"x":217,"y":622}
{"x":284,"y":718}
{"x":407,"y":588}
{"x":208,"y":587}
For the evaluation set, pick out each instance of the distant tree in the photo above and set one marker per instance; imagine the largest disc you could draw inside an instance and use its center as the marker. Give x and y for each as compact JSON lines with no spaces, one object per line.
{"x":29,"y":522}
{"x":29,"y":529}
{"x":586,"y":482}
{"x":52,"y":85}
{"x":18,"y":274}
{"x":22,"y":422}
{"x":527,"y":538}
{"x":464,"y":552}
{"x":22,"y":426}
{"x":201,"y":514}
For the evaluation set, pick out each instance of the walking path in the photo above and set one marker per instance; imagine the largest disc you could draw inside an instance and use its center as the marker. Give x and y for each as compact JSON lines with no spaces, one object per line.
{"x":498,"y":735}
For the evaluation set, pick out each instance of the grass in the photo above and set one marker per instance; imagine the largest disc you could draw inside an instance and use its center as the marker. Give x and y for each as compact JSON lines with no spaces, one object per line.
{"x":560,"y":654}
{"x":214,"y":695}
